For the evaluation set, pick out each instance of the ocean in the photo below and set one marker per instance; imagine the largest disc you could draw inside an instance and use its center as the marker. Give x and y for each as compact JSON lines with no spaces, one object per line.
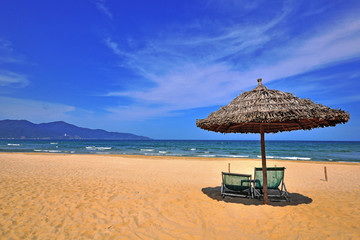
{"x":334,"y":151}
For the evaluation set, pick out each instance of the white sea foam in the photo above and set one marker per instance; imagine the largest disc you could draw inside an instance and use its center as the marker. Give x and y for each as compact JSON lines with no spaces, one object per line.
{"x":270,"y":157}
{"x":287,"y":158}
{"x":192,"y":149}
{"x":175,"y":154}
{"x":151,"y":154}
{"x":54,"y":151}
{"x":104,"y":148}
{"x":13,"y":144}
{"x":235,"y":156}
{"x":93,"y":148}
{"x":162,"y":152}
{"x":53,"y":143}
{"x":206,"y":155}
{"x":147,"y":150}
{"x":296,"y":158}
{"x":48,"y":151}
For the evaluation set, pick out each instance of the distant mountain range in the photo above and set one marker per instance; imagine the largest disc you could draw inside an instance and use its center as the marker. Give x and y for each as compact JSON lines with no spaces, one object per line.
{"x":22,"y":129}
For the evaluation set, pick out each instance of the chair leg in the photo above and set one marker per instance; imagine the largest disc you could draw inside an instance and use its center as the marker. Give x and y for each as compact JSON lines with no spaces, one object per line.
{"x":249,"y":192}
{"x":256,"y":193}
{"x":285,"y":192}
{"x":222,"y":191}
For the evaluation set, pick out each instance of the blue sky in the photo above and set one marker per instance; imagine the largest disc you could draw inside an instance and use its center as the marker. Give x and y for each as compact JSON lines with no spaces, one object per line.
{"x":153,"y":67}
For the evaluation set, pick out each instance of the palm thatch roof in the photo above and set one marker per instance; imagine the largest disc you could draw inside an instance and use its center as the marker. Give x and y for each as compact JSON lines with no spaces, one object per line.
{"x":276,"y":111}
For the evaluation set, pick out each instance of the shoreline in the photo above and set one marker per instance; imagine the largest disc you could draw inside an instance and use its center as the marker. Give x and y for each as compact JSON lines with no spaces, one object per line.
{"x":188,"y":158}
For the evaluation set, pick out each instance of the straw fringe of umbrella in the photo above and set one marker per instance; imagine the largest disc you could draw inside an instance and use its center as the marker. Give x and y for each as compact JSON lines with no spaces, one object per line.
{"x":277,"y":111}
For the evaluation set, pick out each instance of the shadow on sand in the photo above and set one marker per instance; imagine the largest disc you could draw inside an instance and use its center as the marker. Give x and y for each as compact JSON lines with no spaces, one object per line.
{"x":295,"y":198}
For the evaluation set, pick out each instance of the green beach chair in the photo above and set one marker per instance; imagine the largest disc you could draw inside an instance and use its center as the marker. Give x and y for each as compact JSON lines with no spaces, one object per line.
{"x":275,"y":182}
{"x":237,"y":185}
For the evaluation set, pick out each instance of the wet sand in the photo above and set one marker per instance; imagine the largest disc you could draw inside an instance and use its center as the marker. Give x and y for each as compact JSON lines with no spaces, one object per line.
{"x":55,"y":196}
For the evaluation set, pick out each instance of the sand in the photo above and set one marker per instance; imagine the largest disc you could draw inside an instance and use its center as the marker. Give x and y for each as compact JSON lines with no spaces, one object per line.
{"x":54,"y":196}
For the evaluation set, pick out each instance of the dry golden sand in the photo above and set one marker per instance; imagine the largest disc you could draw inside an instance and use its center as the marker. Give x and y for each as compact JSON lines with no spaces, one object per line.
{"x":49,"y":196}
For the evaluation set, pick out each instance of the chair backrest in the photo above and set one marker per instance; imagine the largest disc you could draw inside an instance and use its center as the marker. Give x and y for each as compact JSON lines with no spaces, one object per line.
{"x":275,"y":175}
{"x":235,"y":181}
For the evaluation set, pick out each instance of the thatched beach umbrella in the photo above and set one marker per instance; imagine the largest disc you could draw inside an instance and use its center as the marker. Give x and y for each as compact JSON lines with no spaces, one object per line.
{"x":270,"y":111}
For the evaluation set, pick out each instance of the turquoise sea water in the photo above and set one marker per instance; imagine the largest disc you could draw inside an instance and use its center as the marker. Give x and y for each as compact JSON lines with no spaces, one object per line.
{"x":286,"y":150}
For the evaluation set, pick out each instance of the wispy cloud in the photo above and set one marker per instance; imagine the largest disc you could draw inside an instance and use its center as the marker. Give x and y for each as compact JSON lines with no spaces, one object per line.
{"x":349,"y":99}
{"x":8,"y":57}
{"x":113,"y":46}
{"x":32,"y":110}
{"x":7,"y":54}
{"x":5,"y":45}
{"x":11,"y":79}
{"x":186,"y":69}
{"x":101,"y":6}
{"x":191,"y":70}
{"x":139,"y":112}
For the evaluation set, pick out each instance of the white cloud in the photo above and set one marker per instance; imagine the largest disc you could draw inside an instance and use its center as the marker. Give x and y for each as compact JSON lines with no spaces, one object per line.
{"x":186,"y":69}
{"x":140,"y":112}
{"x":193,"y":87}
{"x":344,"y":100}
{"x":100,"y":4}
{"x":7,"y":54}
{"x":191,"y":71}
{"x":113,"y":46}
{"x":36,"y":111}
{"x":12,"y":79}
{"x":5,"y":45}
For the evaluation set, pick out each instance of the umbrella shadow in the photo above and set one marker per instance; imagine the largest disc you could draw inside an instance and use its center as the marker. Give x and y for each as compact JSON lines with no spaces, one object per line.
{"x":295,"y":198}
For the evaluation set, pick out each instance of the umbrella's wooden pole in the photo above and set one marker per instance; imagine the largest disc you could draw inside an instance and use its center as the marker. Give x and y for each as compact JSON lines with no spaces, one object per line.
{"x":263,"y":157}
